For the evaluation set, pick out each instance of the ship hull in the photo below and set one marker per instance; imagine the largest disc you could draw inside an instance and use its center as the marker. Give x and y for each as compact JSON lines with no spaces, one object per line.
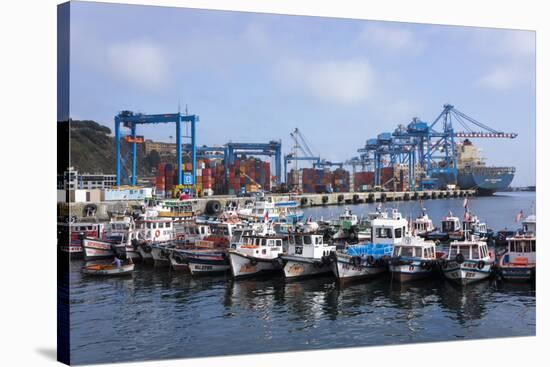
{"x":486,"y":180}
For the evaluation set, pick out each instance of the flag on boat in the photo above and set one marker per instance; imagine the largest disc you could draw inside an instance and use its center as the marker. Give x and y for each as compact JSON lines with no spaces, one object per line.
{"x":519,"y":216}
{"x":266,"y":217}
{"x":466,"y":216}
{"x":466,"y":202}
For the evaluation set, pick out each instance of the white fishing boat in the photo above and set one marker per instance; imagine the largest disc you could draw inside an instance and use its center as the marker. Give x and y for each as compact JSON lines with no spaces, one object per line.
{"x":108,"y":270}
{"x":151,"y":231}
{"x":414,"y":258}
{"x":422,"y":225}
{"x":77,"y":231}
{"x":368,"y":259}
{"x":269,"y":210}
{"x":307,"y":255}
{"x":117,"y":239}
{"x":256,"y":254}
{"x":519,"y":261}
{"x":468,"y":261}
{"x":190,"y":232}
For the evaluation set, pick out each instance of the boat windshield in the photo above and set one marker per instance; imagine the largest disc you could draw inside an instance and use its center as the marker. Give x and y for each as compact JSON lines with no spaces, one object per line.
{"x":448,"y":226}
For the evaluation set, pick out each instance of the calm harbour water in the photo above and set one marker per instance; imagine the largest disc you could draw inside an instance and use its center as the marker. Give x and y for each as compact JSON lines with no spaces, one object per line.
{"x":157,"y":313}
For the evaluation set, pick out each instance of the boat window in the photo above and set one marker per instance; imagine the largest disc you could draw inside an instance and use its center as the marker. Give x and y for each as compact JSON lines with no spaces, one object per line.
{"x":465,"y":251}
{"x":452,"y":252}
{"x":533,"y":246}
{"x":291,"y":240}
{"x":299,"y":240}
{"x":263,"y":242}
{"x":407,"y":251}
{"x":271,"y":243}
{"x":307,"y":240}
{"x":475,"y":252}
{"x":279,"y":243}
{"x":398,"y":232}
{"x":425,"y":253}
{"x":318,"y":240}
{"x":383,"y":232}
{"x":396,"y":250}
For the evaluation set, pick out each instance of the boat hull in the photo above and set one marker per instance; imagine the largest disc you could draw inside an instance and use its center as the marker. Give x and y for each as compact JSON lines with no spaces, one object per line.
{"x":346,"y":271}
{"x":299,"y":267}
{"x":410,"y":272}
{"x":144,"y":251}
{"x":467,"y":272}
{"x":515,"y":273}
{"x":160,"y":255}
{"x":99,"y":270}
{"x":243,"y":265}
{"x":201,"y":266}
{"x":97,"y":249}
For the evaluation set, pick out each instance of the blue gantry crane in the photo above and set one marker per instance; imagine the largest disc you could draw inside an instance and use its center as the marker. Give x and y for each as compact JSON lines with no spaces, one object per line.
{"x":131,"y":120}
{"x":271,"y":149}
{"x":431,"y":147}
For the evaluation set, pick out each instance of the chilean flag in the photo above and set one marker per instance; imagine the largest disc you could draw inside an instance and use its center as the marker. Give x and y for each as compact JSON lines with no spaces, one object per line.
{"x":266,"y":217}
{"x":519,"y":216}
{"x":465,"y":202}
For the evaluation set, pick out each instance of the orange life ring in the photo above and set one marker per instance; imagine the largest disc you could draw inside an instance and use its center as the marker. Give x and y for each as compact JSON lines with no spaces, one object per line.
{"x":157,"y":233}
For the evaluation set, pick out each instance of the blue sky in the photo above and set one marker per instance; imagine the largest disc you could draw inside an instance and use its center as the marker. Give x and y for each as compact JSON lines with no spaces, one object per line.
{"x":255,"y":77}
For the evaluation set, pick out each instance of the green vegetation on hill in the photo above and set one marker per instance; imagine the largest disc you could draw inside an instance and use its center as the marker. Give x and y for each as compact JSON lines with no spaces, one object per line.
{"x":93,"y":150}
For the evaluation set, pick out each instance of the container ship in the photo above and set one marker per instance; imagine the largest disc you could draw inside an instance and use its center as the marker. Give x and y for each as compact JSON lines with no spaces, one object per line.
{"x":473,"y":173}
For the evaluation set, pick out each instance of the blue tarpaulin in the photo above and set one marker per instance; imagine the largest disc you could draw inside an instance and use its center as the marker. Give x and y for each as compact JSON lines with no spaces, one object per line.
{"x":370,"y":249}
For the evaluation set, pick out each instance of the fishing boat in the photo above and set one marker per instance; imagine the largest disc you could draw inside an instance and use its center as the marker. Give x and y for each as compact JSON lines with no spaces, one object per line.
{"x":256,"y":254}
{"x":412,"y":259}
{"x":269,"y":210}
{"x":472,"y":224}
{"x":518,"y":263}
{"x":152,"y":231}
{"x":108,"y":270}
{"x":191,"y":232}
{"x":344,"y":226}
{"x":468,"y":261}
{"x":449,"y":224}
{"x":115,"y":240}
{"x":308,"y":254}
{"x":422,"y":225}
{"x":77,"y":231}
{"x":368,"y":259}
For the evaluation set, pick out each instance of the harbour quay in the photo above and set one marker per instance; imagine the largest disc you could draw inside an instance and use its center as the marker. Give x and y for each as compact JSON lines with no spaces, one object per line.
{"x":200,"y":206}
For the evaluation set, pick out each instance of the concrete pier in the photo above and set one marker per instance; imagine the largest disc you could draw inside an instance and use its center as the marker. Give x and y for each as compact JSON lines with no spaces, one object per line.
{"x":305,"y":200}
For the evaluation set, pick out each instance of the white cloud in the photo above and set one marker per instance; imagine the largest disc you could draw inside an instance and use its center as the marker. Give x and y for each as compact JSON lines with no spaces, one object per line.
{"x":502,"y":78}
{"x":391,"y":38}
{"x":139,"y":63}
{"x":511,"y":44}
{"x":336,"y":81}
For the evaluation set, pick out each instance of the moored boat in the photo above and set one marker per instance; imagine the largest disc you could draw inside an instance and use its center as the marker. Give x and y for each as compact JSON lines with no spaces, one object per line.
{"x":468,"y":261}
{"x":518,"y":263}
{"x":256,"y":254}
{"x":412,"y":259}
{"x":108,"y":270}
{"x":366,"y":260}
{"x":307,"y":255}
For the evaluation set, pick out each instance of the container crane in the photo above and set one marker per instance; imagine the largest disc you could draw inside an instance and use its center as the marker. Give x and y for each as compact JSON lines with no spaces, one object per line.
{"x":300,"y":144}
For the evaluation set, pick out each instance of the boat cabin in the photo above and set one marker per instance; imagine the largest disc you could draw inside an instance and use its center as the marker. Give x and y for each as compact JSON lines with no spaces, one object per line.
{"x":238,"y":234}
{"x":529,"y":225}
{"x":155,"y":230}
{"x":261,"y":246}
{"x":348,"y":219}
{"x":389,"y":230}
{"x":87,"y":229}
{"x":423,"y":224}
{"x":521,"y":250}
{"x":450,"y":224}
{"x":192,"y":231}
{"x":473,"y":225}
{"x":308,"y":245}
{"x":471,"y":250}
{"x":415,"y":247}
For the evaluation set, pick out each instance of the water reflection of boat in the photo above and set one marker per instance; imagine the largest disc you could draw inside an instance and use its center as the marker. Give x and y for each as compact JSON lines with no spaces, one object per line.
{"x":466,"y":303}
